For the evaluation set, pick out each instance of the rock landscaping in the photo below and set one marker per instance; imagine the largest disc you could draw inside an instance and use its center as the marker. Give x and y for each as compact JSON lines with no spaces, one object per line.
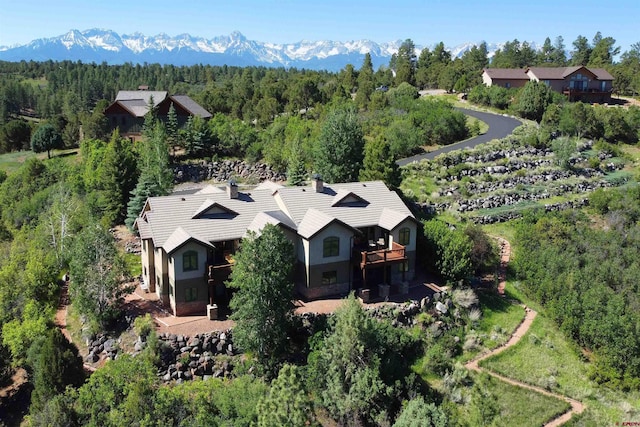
{"x":224,"y":170}
{"x":212,"y":355}
{"x":185,"y":358}
{"x":182,"y":357}
{"x":498,"y":181}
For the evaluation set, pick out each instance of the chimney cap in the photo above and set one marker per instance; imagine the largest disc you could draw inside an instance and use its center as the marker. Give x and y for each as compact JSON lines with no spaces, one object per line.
{"x":316,"y":176}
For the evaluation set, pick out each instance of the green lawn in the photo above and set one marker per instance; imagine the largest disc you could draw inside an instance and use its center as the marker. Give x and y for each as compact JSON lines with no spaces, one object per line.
{"x":10,"y":162}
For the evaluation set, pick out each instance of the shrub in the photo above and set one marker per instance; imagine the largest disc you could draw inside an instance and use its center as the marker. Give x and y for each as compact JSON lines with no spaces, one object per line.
{"x":143,"y":325}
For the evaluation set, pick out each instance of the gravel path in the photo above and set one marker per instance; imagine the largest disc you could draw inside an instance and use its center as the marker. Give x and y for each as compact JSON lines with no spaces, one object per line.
{"x":576,"y":406}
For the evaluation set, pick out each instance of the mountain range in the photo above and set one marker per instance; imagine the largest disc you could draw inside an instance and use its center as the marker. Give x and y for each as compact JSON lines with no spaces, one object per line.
{"x":99,"y":45}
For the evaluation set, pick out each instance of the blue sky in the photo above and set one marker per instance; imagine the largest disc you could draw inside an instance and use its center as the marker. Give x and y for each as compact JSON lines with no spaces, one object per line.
{"x":426,"y":22}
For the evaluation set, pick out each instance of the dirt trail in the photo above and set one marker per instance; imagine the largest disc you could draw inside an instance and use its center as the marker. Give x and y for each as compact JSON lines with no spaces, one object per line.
{"x":505,"y":256}
{"x":576,"y":406}
{"x":61,"y":319}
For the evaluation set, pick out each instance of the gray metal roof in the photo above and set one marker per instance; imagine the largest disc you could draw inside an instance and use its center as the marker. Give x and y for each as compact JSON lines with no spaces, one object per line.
{"x":191,"y":106}
{"x":144,"y":95}
{"x":298,"y":208}
{"x":137,"y":107}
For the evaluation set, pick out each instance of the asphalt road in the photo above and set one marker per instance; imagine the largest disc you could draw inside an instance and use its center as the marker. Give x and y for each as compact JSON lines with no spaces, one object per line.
{"x":499,"y":127}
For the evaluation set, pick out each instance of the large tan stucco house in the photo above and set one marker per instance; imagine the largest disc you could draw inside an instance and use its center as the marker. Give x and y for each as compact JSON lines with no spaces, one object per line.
{"x":578,"y":83}
{"x":127,"y":112}
{"x":346,"y":236}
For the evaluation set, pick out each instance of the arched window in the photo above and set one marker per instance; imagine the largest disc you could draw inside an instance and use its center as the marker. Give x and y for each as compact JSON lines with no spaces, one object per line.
{"x":190,"y":261}
{"x":331,"y":246}
{"x":404,"y":236}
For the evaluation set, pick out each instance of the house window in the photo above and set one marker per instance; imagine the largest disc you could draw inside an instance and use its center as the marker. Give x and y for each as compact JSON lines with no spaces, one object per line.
{"x":547,"y":82}
{"x":404,"y":267}
{"x":404,"y":237}
{"x":331,"y":247}
{"x":603,"y":86}
{"x":190,"y":294}
{"x":190,"y":261}
{"x":329,"y":278}
{"x":507,"y":85}
{"x":145,"y":270}
{"x":170,"y":288}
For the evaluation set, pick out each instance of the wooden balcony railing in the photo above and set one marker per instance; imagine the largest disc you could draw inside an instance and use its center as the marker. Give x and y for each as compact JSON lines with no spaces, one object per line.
{"x":395,"y":254}
{"x":216,"y":270}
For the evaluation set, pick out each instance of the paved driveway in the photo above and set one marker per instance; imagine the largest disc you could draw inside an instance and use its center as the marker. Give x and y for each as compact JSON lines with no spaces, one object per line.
{"x":499,"y":127}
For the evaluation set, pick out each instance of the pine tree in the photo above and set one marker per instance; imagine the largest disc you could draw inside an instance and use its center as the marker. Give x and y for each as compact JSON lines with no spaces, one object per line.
{"x":405,"y":64}
{"x":196,"y":138}
{"x":142,"y":191}
{"x":150,"y":119}
{"x":172,"y":127}
{"x":346,"y":368}
{"x":296,"y":171}
{"x":262,"y":305}
{"x":56,"y":364}
{"x":287,"y":404}
{"x":379,"y":164}
{"x":117,"y":175}
{"x":366,"y":85}
{"x":156,"y":176}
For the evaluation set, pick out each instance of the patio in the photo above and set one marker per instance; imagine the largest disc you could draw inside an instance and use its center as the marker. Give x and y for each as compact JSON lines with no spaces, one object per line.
{"x":142,"y":302}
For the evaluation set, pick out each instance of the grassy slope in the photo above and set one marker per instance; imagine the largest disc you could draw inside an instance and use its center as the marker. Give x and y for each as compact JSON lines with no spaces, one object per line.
{"x":10,"y":162}
{"x":544,"y":352}
{"x":557,"y":366}
{"x":520,"y":407}
{"x":499,"y":319}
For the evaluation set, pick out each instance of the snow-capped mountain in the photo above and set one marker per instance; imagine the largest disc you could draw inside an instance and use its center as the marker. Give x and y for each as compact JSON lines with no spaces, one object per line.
{"x":98,"y":45}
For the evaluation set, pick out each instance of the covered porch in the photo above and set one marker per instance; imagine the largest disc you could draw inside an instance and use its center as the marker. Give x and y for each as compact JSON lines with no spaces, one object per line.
{"x":377,"y":266}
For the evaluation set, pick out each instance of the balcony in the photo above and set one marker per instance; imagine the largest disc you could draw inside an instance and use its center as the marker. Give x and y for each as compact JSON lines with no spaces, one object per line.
{"x":380,"y":257}
{"x":220,"y":271}
{"x":587,"y":94}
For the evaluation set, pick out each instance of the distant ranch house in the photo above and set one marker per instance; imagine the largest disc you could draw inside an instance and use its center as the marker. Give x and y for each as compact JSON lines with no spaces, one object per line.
{"x":127,"y":112}
{"x":349,"y":236}
{"x":578,"y":83}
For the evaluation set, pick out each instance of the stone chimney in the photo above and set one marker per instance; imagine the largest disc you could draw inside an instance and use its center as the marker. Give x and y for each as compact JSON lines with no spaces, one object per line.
{"x":232,"y":189}
{"x":317,"y":184}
